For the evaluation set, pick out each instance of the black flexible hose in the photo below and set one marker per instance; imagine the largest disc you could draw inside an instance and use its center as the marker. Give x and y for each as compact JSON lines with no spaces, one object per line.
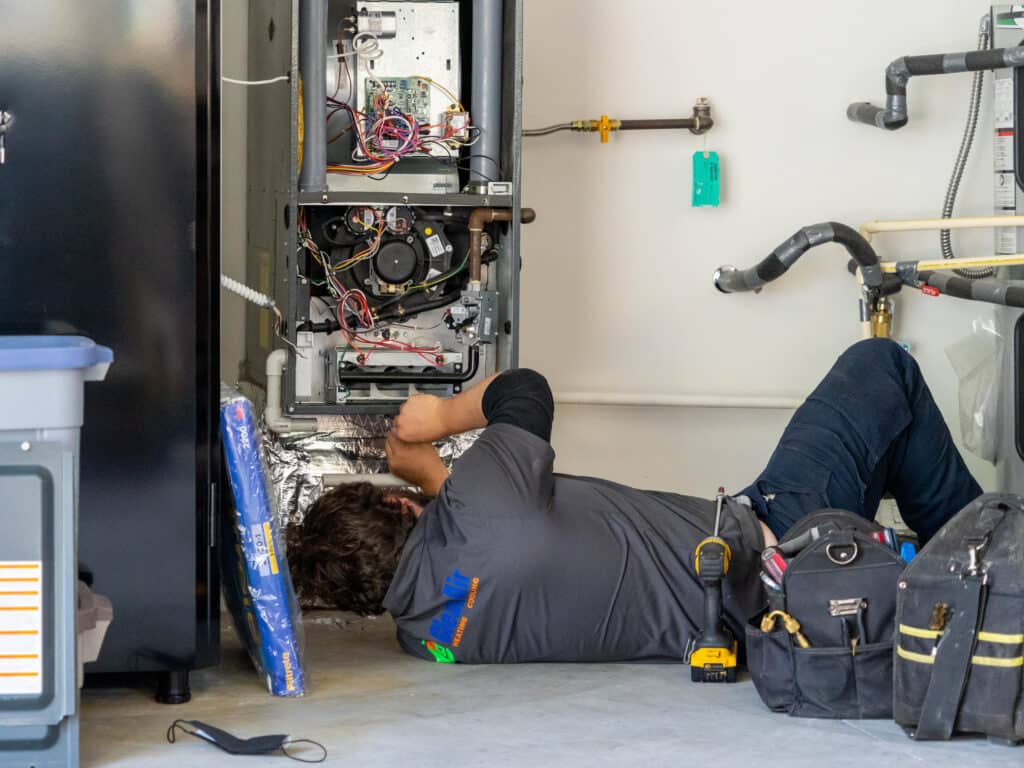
{"x":327,"y":326}
{"x":778,"y":262}
{"x":894,"y":114}
{"x":990,"y":291}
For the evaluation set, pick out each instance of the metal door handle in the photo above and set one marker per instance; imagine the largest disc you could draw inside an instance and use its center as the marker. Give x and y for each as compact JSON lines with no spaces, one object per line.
{"x":6,"y":121}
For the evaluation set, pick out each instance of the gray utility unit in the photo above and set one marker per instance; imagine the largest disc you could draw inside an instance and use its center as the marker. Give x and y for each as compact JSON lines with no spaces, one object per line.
{"x":41,"y":383}
{"x":384,"y":204}
{"x":1008,"y":104}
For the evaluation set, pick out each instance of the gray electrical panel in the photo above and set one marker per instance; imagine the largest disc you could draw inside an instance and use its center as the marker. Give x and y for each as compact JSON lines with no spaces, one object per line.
{"x":384,"y":198}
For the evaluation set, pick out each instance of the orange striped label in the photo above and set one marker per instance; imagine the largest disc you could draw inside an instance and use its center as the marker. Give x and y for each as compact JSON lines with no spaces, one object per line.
{"x":21,"y":630}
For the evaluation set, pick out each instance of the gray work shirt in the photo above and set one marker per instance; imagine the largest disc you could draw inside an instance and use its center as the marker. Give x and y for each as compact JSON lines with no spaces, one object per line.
{"x":514,"y":563}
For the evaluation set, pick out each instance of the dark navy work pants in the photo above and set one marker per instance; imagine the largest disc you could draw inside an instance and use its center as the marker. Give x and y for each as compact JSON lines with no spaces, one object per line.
{"x":870,"y":428}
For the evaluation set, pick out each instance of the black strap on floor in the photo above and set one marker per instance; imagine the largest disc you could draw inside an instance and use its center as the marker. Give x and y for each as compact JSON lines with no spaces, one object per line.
{"x":952,"y":662}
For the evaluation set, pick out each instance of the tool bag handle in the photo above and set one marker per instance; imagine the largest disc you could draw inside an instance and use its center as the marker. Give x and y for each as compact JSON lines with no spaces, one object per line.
{"x":952,"y":663}
{"x":836,"y":518}
{"x":953,"y":655}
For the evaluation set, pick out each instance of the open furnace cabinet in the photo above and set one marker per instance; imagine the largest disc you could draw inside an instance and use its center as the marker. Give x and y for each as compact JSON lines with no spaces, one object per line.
{"x":384,"y":200}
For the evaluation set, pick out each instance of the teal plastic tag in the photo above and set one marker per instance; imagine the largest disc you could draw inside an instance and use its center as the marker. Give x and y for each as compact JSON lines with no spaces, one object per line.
{"x":707,"y":187}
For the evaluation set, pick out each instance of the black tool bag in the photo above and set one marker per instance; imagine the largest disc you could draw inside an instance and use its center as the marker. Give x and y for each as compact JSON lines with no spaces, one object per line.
{"x":839,"y":600}
{"x":960,"y":617}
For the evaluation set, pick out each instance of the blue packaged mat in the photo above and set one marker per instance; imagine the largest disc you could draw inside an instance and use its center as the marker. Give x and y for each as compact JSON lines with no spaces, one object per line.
{"x":256,"y":583}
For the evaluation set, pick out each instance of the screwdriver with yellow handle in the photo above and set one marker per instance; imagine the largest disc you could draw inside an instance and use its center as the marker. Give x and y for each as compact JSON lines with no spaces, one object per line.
{"x":714,"y":652}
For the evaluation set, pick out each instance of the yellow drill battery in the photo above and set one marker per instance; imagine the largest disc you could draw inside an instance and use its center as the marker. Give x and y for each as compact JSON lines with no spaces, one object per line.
{"x":714,"y":665}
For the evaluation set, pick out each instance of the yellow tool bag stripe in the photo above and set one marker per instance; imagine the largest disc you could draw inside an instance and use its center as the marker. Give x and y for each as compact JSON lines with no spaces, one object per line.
{"x":996,"y":637}
{"x":927,"y":634}
{"x":992,"y":661}
{"x":986,"y":637}
{"x":983,"y":661}
{"x":920,"y":658}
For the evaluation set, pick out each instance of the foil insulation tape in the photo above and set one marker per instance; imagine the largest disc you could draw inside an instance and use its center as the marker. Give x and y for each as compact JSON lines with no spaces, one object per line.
{"x":297,"y":463}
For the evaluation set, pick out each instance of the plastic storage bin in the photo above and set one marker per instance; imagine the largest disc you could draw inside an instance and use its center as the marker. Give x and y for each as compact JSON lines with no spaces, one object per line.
{"x":41,"y":393}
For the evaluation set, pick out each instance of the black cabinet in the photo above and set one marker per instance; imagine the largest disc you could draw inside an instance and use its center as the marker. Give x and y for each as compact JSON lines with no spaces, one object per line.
{"x":109,"y":227}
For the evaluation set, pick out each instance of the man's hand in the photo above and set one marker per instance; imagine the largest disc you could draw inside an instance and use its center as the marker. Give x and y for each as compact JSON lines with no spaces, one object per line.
{"x":421,"y":420}
{"x":418,"y":463}
{"x":426,"y":418}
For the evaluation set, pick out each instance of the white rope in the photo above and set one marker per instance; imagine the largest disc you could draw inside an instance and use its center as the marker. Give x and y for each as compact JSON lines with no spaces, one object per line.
{"x":282,"y":78}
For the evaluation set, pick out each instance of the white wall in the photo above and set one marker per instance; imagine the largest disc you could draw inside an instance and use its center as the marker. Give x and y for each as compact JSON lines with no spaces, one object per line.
{"x":617,"y":292}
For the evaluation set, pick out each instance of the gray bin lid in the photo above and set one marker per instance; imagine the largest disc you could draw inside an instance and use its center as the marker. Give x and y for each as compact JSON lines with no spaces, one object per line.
{"x":47,"y":353}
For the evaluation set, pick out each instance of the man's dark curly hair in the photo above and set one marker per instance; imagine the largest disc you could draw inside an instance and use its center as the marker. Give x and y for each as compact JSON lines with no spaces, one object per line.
{"x":346,"y":550}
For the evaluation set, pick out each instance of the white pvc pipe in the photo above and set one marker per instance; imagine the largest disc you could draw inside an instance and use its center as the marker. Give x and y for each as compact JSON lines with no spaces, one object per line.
{"x":641,"y":400}
{"x":277,"y":422}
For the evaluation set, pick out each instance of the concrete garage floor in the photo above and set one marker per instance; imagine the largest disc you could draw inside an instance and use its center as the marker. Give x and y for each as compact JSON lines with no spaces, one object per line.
{"x":370,"y":704}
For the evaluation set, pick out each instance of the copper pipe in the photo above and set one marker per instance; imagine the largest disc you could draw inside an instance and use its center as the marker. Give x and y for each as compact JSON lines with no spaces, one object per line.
{"x":477,"y":219}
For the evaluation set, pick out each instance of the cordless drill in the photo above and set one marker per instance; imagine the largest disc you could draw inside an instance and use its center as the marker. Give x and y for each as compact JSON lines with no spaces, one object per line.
{"x":713,"y":653}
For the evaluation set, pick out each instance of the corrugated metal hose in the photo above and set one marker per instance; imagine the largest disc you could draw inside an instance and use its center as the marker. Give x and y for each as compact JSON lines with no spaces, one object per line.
{"x":966,"y":143}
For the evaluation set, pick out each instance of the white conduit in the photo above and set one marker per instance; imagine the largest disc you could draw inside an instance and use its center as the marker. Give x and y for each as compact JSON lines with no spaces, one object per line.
{"x":923,"y":225}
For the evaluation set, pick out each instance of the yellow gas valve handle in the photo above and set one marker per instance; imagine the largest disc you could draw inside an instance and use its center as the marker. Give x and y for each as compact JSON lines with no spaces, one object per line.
{"x":604,"y":126}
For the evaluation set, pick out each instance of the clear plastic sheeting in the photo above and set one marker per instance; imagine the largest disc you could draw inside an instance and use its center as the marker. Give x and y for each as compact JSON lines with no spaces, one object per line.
{"x":297,"y":463}
{"x":977,"y":360}
{"x":256,"y":582}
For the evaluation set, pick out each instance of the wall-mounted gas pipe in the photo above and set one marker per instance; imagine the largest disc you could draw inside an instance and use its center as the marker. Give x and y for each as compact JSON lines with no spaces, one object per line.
{"x":880,"y":280}
{"x":700,"y":122}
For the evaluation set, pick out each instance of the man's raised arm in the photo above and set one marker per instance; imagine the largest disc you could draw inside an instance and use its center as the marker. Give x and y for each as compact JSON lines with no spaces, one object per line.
{"x":426,"y":418}
{"x":519,"y":397}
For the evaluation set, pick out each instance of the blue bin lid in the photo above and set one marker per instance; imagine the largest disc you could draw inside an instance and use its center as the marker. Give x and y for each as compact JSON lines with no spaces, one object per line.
{"x":47,"y":353}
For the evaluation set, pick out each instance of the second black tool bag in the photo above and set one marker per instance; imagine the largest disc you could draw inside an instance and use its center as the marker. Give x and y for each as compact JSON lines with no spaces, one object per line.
{"x":824,"y":647}
{"x":961,"y":626}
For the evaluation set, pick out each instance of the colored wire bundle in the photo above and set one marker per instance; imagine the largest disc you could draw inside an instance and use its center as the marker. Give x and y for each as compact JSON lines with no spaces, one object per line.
{"x":331,"y":270}
{"x":355,"y":318}
{"x":386,"y":134}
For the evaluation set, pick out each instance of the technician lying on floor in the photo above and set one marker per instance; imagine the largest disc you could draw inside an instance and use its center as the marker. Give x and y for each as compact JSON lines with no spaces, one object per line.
{"x":511,"y":562}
